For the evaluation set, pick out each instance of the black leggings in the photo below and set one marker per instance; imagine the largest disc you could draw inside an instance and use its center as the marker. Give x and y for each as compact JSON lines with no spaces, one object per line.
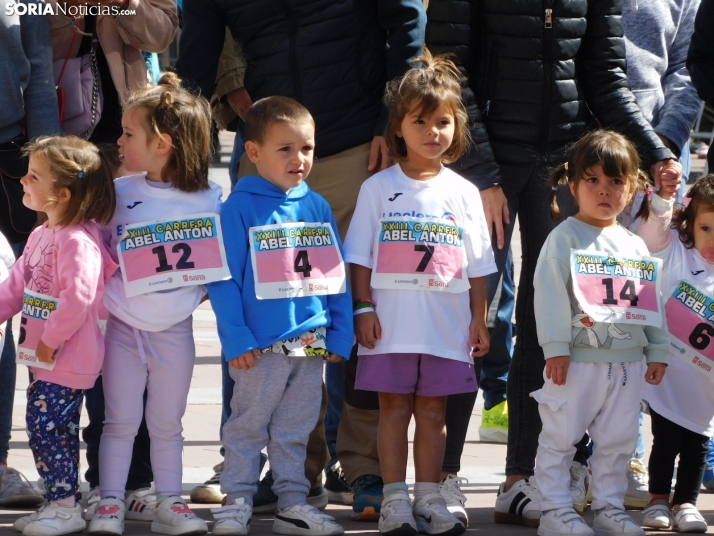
{"x":671,"y":439}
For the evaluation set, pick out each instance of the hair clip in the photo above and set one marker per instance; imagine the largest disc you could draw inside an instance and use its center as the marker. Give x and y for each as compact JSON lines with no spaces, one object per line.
{"x":649,"y":191}
{"x":80,"y":174}
{"x":554,"y":188}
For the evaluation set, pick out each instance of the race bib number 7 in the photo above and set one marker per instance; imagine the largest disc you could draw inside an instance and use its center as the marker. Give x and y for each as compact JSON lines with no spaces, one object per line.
{"x":167,"y":254}
{"x":296,"y":259}
{"x":36,"y":310}
{"x":416,"y":254}
{"x":616,"y":288}
{"x":690,"y":320}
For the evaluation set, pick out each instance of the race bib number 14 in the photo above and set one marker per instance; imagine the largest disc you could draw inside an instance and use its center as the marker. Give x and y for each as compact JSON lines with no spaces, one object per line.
{"x":296,"y":259}
{"x":690,"y":320}
{"x":167,"y":254}
{"x":36,"y":310}
{"x":616,"y":288}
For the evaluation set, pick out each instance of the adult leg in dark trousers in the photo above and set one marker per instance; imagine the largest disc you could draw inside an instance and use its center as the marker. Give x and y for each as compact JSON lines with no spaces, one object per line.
{"x":140,"y":473}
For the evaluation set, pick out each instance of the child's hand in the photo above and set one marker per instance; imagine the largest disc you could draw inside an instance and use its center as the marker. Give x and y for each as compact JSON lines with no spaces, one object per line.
{"x":367,"y":329}
{"x":670,"y":179}
{"x":245,"y":361}
{"x":556,"y":369}
{"x":479,"y":338}
{"x":44,"y":353}
{"x":655,"y":373}
{"x":334,"y":358}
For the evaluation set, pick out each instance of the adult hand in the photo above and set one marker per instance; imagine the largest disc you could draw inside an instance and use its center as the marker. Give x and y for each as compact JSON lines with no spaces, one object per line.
{"x":655,"y":373}
{"x":367,"y":329}
{"x":245,"y":361}
{"x":667,"y":175}
{"x":495,"y":208}
{"x":556,"y":369}
{"x":44,"y":353}
{"x":379,"y":158}
{"x":240,"y":101}
{"x":334,"y":358}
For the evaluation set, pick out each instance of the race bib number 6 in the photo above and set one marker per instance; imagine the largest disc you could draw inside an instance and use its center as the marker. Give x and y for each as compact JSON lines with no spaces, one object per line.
{"x":36,"y":310}
{"x":167,"y":254}
{"x":296,"y":259}
{"x":416,"y":254}
{"x":690,"y":320}
{"x":617,"y":289}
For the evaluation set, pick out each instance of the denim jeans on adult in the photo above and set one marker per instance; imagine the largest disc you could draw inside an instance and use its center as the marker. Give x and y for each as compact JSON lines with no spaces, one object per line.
{"x":140,"y":473}
{"x":528,"y":190}
{"x":335,"y":384}
{"x":7,"y":391}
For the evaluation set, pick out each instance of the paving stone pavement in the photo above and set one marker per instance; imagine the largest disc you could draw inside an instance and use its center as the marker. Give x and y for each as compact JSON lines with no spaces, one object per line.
{"x":482,"y":463}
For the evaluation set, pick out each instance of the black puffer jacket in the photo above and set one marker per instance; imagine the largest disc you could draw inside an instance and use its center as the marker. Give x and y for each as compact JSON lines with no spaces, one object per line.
{"x":448,"y":31}
{"x":333,"y":56}
{"x":700,"y":61}
{"x":546,"y":71}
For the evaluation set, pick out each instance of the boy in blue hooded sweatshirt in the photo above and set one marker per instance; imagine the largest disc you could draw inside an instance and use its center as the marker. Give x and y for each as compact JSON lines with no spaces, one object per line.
{"x":285,"y":309}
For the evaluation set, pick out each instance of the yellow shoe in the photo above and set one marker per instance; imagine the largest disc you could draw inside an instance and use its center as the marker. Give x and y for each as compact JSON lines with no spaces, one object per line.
{"x":494,"y":424}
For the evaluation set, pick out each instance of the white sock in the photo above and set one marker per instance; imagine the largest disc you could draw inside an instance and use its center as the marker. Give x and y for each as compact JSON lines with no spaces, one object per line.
{"x":422,"y":489}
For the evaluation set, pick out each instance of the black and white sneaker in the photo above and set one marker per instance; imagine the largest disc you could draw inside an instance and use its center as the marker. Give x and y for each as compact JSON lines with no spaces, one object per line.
{"x":520,"y":505}
{"x":303,"y":519}
{"x":338,"y":490}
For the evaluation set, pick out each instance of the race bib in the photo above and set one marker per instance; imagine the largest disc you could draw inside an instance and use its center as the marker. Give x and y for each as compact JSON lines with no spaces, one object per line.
{"x":36,"y":310}
{"x":296,"y":259}
{"x":168,"y":254}
{"x":690,"y":319}
{"x":617,"y":289}
{"x":418,"y":254}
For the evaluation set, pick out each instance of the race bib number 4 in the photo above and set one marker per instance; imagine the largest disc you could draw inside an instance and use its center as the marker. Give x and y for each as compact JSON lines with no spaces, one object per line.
{"x":36,"y":310}
{"x":690,"y":320}
{"x":167,"y":254}
{"x":617,"y":289}
{"x":296,"y":259}
{"x":416,"y":254}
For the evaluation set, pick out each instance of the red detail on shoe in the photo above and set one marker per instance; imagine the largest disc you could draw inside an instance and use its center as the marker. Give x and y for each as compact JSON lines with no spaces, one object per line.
{"x":181,"y":509}
{"x":108,"y":510}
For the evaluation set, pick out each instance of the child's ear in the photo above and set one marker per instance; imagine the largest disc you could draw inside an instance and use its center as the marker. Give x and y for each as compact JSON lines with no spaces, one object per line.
{"x":251,"y":149}
{"x":574,"y":188}
{"x":164,"y":144}
{"x":64,"y":195}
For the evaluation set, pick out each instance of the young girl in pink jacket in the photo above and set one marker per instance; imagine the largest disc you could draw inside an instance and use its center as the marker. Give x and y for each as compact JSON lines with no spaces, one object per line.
{"x":58,"y":285}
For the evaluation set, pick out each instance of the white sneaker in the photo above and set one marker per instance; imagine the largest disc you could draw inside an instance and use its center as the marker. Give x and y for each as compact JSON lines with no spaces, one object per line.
{"x":396,"y":516}
{"x":305,"y":519}
{"x":455,"y":500}
{"x":638,"y":494}
{"x":172,"y":516}
{"x":20,"y":524}
{"x":210,"y":491}
{"x":16,"y":490}
{"x":55,"y":520}
{"x":579,"y":483}
{"x":141,"y":504}
{"x":232,"y":519}
{"x":657,"y":516}
{"x":520,"y":505}
{"x":563,"y":522}
{"x":688,"y":519}
{"x":433,"y":517}
{"x":615,"y":522}
{"x":92,"y":503}
{"x":109,"y":517}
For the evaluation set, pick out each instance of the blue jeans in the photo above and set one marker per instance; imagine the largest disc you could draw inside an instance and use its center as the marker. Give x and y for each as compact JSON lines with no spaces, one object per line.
{"x":7,"y":391}
{"x":495,"y":365}
{"x":238,"y":150}
{"x":335,"y":384}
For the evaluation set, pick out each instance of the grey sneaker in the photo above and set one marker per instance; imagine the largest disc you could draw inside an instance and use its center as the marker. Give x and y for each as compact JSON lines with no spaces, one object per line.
{"x":16,"y":490}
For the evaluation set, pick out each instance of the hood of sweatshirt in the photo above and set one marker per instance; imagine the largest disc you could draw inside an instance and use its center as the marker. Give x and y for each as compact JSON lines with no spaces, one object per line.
{"x":255,"y":185}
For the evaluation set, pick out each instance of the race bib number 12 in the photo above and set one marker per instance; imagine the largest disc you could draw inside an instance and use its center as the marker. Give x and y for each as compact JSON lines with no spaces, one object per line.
{"x":36,"y":310}
{"x":417,"y":254}
{"x":167,"y":254}
{"x":617,"y":289}
{"x":296,"y":259}
{"x":690,"y":320}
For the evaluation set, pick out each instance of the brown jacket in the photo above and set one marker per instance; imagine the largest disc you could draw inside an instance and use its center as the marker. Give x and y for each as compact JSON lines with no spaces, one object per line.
{"x":122,"y":39}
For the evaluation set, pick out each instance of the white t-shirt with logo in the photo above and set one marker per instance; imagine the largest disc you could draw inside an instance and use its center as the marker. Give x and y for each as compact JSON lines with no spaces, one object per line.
{"x":421,"y":321}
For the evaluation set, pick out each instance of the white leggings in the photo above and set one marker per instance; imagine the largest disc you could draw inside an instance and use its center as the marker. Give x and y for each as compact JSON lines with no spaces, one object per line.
{"x":162,"y":363}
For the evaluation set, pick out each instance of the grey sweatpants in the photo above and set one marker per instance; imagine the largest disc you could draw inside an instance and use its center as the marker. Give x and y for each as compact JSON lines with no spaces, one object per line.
{"x":275,"y":403}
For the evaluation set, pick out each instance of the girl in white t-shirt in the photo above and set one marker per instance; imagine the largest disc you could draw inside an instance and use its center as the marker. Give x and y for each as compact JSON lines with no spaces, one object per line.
{"x":419,"y":250}
{"x":682,"y":406}
{"x":149,"y":337}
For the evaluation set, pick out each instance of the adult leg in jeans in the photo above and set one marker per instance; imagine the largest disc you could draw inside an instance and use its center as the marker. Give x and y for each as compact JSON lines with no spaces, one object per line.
{"x":140,"y":473}
{"x":530,"y":197}
{"x":335,"y":384}
{"x":7,"y":392}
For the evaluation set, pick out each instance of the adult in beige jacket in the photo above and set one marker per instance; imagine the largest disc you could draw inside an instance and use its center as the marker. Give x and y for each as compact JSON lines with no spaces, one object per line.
{"x":122,"y":38}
